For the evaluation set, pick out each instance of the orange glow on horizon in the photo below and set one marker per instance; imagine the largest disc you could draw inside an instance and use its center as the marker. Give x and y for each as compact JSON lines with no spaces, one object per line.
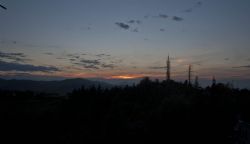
{"x":126,"y":76}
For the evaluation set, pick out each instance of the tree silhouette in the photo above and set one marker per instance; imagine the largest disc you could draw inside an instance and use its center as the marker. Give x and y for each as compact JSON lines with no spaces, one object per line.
{"x":213,"y":81}
{"x":167,"y":111}
{"x":196,"y":82}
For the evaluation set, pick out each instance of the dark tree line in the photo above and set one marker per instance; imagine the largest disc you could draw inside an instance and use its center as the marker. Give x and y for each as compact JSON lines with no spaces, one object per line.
{"x":150,"y":111}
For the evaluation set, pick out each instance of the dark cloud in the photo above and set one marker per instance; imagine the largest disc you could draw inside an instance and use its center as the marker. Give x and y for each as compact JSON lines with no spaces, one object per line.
{"x":163,"y":16}
{"x":195,"y":6}
{"x":76,"y":56}
{"x":10,"y":43}
{"x":89,"y":64}
{"x":162,"y":29}
{"x":116,"y":61}
{"x":91,"y":67}
{"x":122,"y":25}
{"x":188,"y":10}
{"x":49,"y":53}
{"x":11,"y":55}
{"x":198,"y":4}
{"x":226,"y":59}
{"x":11,"y":66}
{"x":244,"y":66}
{"x":135,"y":30}
{"x":198,"y":63}
{"x":3,"y":7}
{"x":134,"y":21}
{"x":138,"y":21}
{"x":176,"y":18}
{"x":157,"y":67}
{"x":95,"y":62}
{"x":134,"y":67}
{"x":131,"y":21}
{"x":60,"y":58}
{"x":111,"y":66}
{"x":102,"y":55}
{"x":21,"y":57}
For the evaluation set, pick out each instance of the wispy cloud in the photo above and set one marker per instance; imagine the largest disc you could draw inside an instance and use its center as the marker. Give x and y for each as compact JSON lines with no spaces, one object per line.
{"x":93,"y":61}
{"x":163,"y":16}
{"x":138,"y":21}
{"x":132,"y":28}
{"x":156,"y":67}
{"x":122,"y":25}
{"x":49,"y":53}
{"x":198,"y":4}
{"x":162,"y":29}
{"x":21,"y":57}
{"x":135,"y":30}
{"x":134,"y":22}
{"x":110,"y":66}
{"x":10,"y":43}
{"x":12,"y":66}
{"x":146,"y":17}
{"x":195,"y":6}
{"x":131,"y":21}
{"x":188,"y":10}
{"x":176,"y":18}
{"x":243,"y":66}
{"x":102,"y":55}
{"x":75,"y":56}
{"x":94,"y":64}
{"x":11,"y":55}
{"x":86,"y":65}
{"x":3,"y":7}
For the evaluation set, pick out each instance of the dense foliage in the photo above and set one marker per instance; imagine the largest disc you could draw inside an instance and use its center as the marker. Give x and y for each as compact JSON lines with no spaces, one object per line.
{"x":150,"y":111}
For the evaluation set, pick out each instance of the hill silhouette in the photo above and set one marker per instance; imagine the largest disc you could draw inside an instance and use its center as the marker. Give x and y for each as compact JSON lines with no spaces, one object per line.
{"x":60,"y":87}
{"x":151,"y":111}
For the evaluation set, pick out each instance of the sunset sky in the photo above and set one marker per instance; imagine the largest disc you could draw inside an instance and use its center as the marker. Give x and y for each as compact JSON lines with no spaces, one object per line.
{"x":125,"y":38}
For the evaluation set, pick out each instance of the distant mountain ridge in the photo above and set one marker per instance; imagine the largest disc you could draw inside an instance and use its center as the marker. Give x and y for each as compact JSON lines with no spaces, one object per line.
{"x":118,"y":82}
{"x":60,"y":86}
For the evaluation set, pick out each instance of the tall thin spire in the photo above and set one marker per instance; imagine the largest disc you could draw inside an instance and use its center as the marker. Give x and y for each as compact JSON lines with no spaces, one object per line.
{"x":189,"y":74}
{"x":168,"y":69}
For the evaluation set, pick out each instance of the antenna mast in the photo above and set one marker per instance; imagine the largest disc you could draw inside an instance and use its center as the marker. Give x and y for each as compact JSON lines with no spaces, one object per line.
{"x":168,"y":69}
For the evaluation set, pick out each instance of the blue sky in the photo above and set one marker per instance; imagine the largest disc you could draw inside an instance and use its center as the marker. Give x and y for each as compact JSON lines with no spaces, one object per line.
{"x":112,"y":38}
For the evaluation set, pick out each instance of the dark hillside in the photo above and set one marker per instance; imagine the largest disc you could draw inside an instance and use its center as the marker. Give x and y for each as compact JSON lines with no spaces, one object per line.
{"x":151,"y":111}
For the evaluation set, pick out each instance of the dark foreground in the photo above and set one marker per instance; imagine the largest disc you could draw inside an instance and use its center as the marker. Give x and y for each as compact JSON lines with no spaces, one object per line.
{"x":150,"y":112}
